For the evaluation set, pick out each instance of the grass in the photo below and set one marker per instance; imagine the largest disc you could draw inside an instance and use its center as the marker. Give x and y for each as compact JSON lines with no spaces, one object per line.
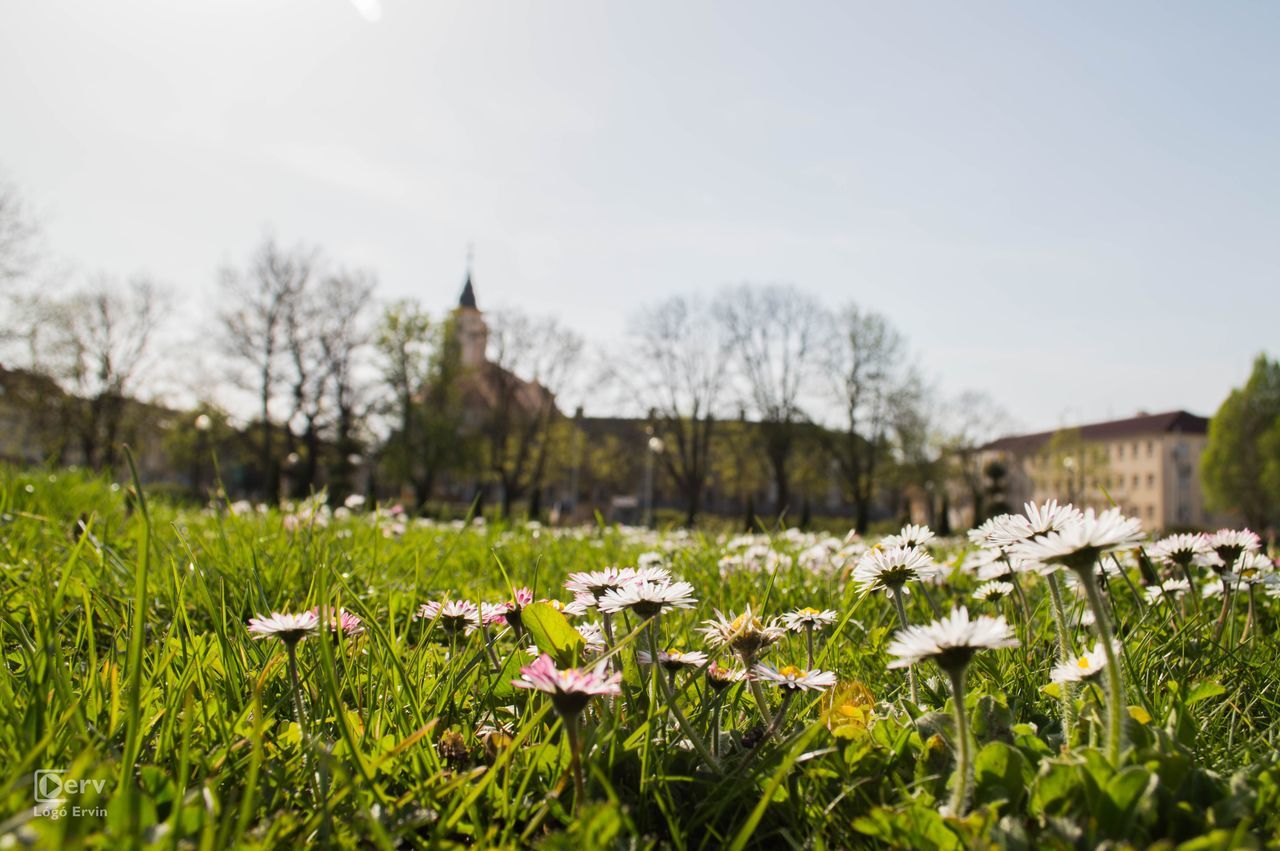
{"x":127,"y":661}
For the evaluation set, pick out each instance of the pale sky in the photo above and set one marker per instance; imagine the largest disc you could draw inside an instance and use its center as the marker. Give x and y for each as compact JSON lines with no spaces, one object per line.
{"x":1072,"y":206}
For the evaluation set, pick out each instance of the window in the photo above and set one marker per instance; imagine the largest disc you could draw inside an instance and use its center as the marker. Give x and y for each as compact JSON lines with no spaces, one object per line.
{"x":1151,"y":448}
{"x":1119,"y":450}
{"x":1151,"y":480}
{"x":1137,"y":482}
{"x":1151,"y":512}
{"x":1135,"y":449}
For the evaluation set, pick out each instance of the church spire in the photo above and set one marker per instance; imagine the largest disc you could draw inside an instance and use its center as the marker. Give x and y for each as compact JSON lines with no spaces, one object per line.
{"x":468,"y":298}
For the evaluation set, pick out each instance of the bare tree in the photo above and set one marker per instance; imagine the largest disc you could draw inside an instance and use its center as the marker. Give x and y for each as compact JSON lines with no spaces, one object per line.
{"x":345,"y":338}
{"x":872,"y":385}
{"x":776,"y":333}
{"x":973,"y":419}
{"x":531,"y":360}
{"x":675,"y":365}
{"x":18,"y":234}
{"x":97,"y":348}
{"x":255,"y":325}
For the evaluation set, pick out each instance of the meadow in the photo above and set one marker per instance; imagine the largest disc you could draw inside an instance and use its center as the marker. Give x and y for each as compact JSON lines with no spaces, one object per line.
{"x":130,"y":666}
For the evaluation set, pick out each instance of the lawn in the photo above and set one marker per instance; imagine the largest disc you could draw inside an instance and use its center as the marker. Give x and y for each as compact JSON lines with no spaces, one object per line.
{"x":130,"y":667}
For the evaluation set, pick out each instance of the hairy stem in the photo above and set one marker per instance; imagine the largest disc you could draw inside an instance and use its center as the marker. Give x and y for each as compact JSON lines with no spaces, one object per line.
{"x":1064,"y":654}
{"x":960,"y":787}
{"x":1115,"y":685}
{"x":685,"y":727}
{"x":896,"y":594}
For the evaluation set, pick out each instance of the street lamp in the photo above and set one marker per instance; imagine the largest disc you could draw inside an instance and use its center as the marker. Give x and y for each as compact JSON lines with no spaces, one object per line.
{"x":656,"y":446}
{"x":202,"y":424}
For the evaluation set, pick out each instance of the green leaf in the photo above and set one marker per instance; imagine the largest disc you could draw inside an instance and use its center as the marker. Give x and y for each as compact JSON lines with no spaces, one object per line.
{"x":1204,"y":690}
{"x":551,"y":631}
{"x":1124,"y":791}
{"x":1001,"y":773}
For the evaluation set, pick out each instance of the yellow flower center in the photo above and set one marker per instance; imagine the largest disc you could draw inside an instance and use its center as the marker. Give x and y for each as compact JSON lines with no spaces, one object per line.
{"x":808,"y":610}
{"x":1083,"y":662}
{"x":791,"y":671}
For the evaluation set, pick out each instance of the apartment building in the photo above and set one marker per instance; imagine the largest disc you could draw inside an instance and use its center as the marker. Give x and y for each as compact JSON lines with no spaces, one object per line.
{"x":1149,"y":465}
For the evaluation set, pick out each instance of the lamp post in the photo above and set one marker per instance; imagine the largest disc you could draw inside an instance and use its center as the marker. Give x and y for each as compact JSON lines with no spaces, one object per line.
{"x":1070,"y":464}
{"x":655,"y":447}
{"x":202,"y":424}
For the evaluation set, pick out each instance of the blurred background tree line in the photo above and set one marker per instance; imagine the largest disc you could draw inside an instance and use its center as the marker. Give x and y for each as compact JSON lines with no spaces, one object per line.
{"x":758,"y":403}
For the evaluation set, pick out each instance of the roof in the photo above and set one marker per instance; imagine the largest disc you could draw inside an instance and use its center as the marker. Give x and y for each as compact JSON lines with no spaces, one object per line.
{"x":468,"y":298}
{"x":1169,"y":422}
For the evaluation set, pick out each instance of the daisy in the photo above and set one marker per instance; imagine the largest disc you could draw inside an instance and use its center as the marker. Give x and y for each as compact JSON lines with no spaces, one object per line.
{"x":1178,"y":550}
{"x":720,"y":678}
{"x":951,"y":641}
{"x":597,"y":583}
{"x":1252,"y":568}
{"x":649,"y":599}
{"x":674,"y":660}
{"x":570,"y":689}
{"x":593,"y":636}
{"x":993,"y":592}
{"x":346,"y":622}
{"x":808,"y":618}
{"x":1083,"y":667}
{"x":892,"y":568}
{"x":792,"y":678}
{"x":1169,"y":588}
{"x":520,"y":598}
{"x":745,"y":634}
{"x":1230,"y":544}
{"x":1082,"y":539}
{"x":288,"y":628}
{"x":571,"y":609}
{"x":454,"y":616}
{"x":910,"y":536}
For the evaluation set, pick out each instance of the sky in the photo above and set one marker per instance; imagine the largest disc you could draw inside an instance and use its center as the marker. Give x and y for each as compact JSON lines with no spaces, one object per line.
{"x":1071,"y":207}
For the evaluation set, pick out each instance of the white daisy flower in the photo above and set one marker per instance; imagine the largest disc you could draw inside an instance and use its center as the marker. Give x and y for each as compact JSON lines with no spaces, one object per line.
{"x":1081,"y":667}
{"x":288,"y":628}
{"x":1178,"y":550}
{"x":744,"y":634}
{"x":891,"y":569}
{"x":793,"y":678}
{"x":674,"y":660}
{"x":951,"y":641}
{"x":808,"y":618}
{"x":1228,"y":545}
{"x":993,"y":591}
{"x":910,"y":536}
{"x":649,"y":599}
{"x":1080,"y":542}
{"x":1252,"y":568}
{"x":592,"y":635}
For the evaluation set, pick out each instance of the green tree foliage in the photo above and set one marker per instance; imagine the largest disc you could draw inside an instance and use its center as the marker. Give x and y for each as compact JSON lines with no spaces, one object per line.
{"x":1241,"y":465}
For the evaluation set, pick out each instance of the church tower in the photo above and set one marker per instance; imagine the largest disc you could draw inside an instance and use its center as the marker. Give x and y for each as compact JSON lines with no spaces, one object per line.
{"x":473,"y":333}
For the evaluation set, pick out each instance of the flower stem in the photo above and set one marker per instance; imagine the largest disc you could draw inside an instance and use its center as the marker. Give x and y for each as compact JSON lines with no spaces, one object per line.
{"x":308,"y":755}
{"x":1115,"y":685}
{"x":896,"y":594}
{"x":787,"y":695}
{"x":1248,"y":621}
{"x":808,"y":635}
{"x":573,"y":733}
{"x":685,"y":727}
{"x":1224,"y":614}
{"x":960,"y":787}
{"x":1064,"y":654}
{"x":748,"y":661}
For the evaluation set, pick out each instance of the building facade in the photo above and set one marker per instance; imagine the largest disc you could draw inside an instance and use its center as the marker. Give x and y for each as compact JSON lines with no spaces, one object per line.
{"x":1148,"y":465}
